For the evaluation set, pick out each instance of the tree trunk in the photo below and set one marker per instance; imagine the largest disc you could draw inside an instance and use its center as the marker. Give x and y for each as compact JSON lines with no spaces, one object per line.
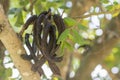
{"x":13,"y":44}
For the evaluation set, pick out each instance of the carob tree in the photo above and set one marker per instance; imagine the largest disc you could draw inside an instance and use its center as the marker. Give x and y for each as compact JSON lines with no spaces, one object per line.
{"x":45,"y":37}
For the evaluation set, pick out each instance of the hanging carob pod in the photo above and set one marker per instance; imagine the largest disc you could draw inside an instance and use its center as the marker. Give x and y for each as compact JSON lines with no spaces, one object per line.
{"x":59,"y":23}
{"x":44,"y":44}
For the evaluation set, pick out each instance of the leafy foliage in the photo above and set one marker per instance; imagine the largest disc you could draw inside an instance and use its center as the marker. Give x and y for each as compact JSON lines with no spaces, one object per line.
{"x":69,"y":22}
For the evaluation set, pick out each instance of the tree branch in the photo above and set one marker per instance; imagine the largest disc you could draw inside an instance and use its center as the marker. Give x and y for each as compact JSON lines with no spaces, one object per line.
{"x":15,"y":48}
{"x":81,"y":6}
{"x":92,"y":14}
{"x":100,"y":51}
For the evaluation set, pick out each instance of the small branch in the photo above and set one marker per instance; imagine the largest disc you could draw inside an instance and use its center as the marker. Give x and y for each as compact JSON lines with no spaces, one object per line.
{"x":81,"y":6}
{"x":32,"y":2}
{"x":93,"y":14}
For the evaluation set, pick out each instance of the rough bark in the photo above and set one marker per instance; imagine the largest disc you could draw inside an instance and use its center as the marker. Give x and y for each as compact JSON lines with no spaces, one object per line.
{"x":2,"y":49}
{"x":13,"y":44}
{"x":5,"y":4}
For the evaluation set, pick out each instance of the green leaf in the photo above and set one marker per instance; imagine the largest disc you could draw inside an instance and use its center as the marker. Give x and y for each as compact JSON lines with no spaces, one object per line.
{"x":62,"y":47}
{"x":12,"y":11}
{"x":109,"y":7}
{"x":8,"y":72}
{"x":38,"y":7}
{"x":64,"y":7}
{"x":77,"y":37}
{"x":43,"y":0}
{"x":63,"y":36}
{"x":69,"y":22}
{"x":104,"y":1}
{"x":23,"y":2}
{"x":68,"y":45}
{"x":82,"y":27}
{"x":1,"y":61}
{"x":2,"y":69}
{"x":19,"y":21}
{"x":115,"y":3}
{"x":51,"y":4}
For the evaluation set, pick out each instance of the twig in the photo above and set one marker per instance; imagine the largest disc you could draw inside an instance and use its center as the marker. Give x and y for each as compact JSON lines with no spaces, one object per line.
{"x":32,"y":2}
{"x":91,"y":14}
{"x":69,"y":66}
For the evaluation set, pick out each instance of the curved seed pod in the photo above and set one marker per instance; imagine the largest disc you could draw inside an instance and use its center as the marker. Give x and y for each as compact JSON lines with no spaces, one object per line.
{"x":42,"y":44}
{"x":54,"y":68}
{"x":34,"y":47}
{"x":37,"y":29}
{"x":57,"y":59}
{"x":49,"y":56}
{"x":53,"y":43}
{"x":29,"y":46}
{"x":38,"y":64}
{"x":59,"y":23}
{"x":28,"y":22}
{"x":55,"y":48}
{"x":44,"y":12}
{"x":40,"y":71}
{"x":46,"y":30}
{"x":52,"y":40}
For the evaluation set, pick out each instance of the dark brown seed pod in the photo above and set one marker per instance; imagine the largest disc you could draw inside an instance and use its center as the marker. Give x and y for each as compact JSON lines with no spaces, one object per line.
{"x":42,"y":48}
{"x":54,"y":68}
{"x":52,"y":40}
{"x":27,"y":42}
{"x":42,"y":45}
{"x":59,"y":23}
{"x":46,"y":30}
{"x":28,"y":22}
{"x":38,"y":64}
{"x":37,"y":29}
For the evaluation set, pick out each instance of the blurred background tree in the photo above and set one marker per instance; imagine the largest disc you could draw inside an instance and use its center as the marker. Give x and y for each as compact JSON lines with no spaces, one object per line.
{"x":90,"y":43}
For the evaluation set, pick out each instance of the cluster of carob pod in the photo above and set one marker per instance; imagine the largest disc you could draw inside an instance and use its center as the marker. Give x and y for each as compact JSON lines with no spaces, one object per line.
{"x":47,"y":28}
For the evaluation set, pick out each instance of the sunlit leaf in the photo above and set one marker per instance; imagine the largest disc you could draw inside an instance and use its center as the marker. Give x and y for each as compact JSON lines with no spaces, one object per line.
{"x":68,"y":45}
{"x":12,"y":11}
{"x":23,"y":2}
{"x":19,"y":21}
{"x":104,"y":1}
{"x":76,"y":63}
{"x":38,"y":7}
{"x":77,"y":37}
{"x":55,"y":78}
{"x":82,"y":27}
{"x":64,"y":7}
{"x":8,"y":72}
{"x":109,"y":7}
{"x":115,"y":3}
{"x":116,"y":52}
{"x":62,"y":48}
{"x":63,"y":36}
{"x":51,"y":4}
{"x":70,"y":22}
{"x":2,"y":69}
